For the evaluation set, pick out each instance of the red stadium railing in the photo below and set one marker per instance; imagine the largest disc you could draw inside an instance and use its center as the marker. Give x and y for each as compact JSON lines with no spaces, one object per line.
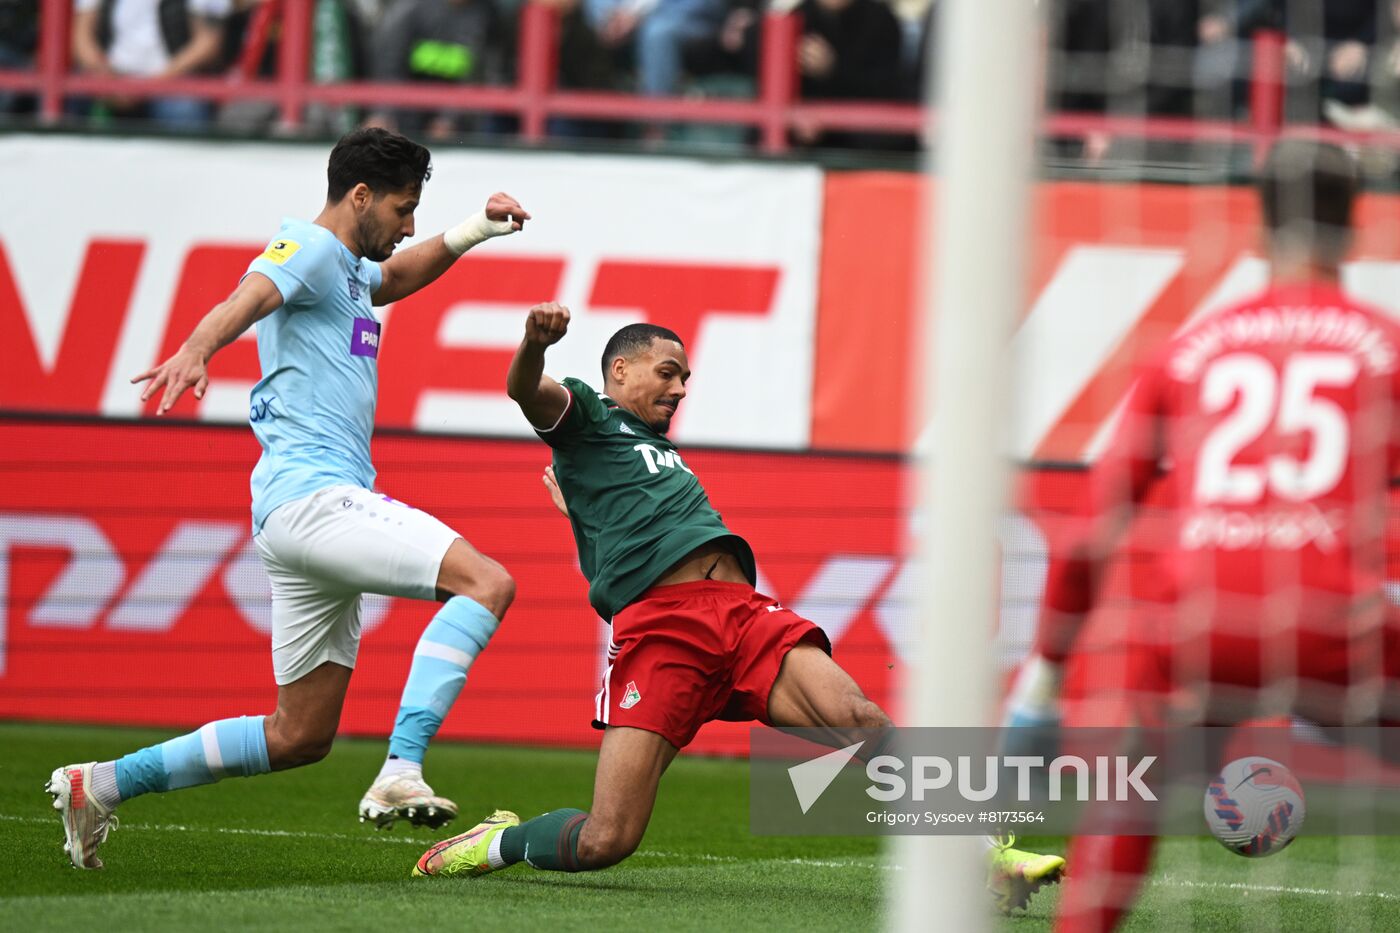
{"x":534,"y":98}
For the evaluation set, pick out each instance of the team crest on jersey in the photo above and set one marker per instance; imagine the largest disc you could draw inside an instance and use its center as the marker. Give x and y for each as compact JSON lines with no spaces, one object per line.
{"x":632,"y":697}
{"x":354,"y":288}
{"x":279,"y":251}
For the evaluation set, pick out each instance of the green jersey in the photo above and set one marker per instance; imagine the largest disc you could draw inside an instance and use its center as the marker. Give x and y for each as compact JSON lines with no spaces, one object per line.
{"x":636,"y":508}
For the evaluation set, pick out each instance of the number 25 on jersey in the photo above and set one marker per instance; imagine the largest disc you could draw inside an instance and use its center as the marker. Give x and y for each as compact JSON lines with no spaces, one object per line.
{"x":1286,"y":406}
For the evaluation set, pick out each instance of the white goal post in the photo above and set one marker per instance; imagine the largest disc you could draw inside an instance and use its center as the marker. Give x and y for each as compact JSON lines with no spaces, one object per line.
{"x":987,"y":76}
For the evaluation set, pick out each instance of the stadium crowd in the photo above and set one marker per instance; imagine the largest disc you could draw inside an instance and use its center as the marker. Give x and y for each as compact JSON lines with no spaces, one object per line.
{"x":1145,"y":57}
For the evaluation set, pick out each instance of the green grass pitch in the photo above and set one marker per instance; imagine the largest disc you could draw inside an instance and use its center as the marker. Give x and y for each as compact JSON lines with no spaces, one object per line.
{"x":285,"y":851}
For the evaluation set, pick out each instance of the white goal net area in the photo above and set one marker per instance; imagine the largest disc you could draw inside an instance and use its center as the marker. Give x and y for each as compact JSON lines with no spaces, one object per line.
{"x":1163,"y":258}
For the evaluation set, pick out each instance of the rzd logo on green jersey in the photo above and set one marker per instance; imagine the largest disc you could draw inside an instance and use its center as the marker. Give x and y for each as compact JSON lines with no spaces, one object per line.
{"x":656,"y":459}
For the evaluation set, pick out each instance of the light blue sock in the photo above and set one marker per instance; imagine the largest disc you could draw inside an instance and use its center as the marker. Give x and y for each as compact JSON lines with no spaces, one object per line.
{"x":449,"y":644}
{"x":228,"y":747}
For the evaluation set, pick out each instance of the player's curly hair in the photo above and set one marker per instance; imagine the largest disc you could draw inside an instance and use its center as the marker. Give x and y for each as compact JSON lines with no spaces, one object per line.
{"x":1307,"y":190}
{"x":383,"y":160}
{"x":633,"y":339}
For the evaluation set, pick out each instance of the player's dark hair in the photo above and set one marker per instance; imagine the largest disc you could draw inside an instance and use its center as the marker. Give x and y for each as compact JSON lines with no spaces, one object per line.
{"x":1307,"y":190}
{"x":383,"y":160}
{"x":633,"y":339}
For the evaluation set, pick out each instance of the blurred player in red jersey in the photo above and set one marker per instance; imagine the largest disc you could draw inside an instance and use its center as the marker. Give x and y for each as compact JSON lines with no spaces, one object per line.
{"x":1269,"y":430}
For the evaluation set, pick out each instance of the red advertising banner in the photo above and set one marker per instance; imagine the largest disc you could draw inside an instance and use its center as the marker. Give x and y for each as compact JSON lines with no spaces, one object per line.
{"x":1115,"y":271}
{"x":130,"y":593}
{"x":814,"y":304}
{"x":617,"y":239}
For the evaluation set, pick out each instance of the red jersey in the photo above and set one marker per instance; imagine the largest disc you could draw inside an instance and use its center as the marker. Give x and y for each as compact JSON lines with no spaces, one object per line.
{"x":1273,"y":424}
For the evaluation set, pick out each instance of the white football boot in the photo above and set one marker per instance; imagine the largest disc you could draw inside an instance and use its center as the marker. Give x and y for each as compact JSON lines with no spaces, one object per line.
{"x":86,"y":822}
{"x":405,"y":797}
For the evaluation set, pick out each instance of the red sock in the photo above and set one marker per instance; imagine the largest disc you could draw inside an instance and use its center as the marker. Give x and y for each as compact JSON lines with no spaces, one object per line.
{"x":1105,"y":874}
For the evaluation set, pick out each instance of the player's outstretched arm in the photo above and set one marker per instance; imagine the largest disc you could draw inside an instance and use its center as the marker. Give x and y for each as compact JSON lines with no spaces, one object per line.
{"x":406,"y":272}
{"x":541,"y":398}
{"x":254,"y":299}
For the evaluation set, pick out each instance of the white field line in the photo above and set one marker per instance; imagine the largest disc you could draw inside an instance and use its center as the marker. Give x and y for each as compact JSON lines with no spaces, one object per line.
{"x":1270,"y":888}
{"x":734,"y":859}
{"x":233,"y":831}
{"x":423,"y":841}
{"x":379,"y":837}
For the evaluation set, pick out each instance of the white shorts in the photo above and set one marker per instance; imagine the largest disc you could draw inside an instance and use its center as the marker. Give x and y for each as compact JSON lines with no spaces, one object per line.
{"x":323,"y":551}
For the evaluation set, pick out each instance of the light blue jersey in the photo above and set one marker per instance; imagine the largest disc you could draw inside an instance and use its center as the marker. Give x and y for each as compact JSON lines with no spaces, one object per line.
{"x":313,"y":410}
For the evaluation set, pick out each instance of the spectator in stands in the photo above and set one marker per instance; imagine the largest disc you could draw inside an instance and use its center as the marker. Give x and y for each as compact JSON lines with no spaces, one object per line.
{"x":1332,"y":45}
{"x":1385,"y":70}
{"x":656,"y":31}
{"x":1328,"y":50}
{"x":724,"y":65}
{"x":1078,"y":80}
{"x":19,"y":37}
{"x":1223,"y":60}
{"x":1129,"y":59}
{"x":1079,"y":44}
{"x":445,"y":41}
{"x":339,"y":50}
{"x":585,"y":64}
{"x":1383,"y":112}
{"x":151,"y":38}
{"x":1164,"y":41}
{"x":733,"y":48}
{"x":850,"y":50}
{"x":918,"y":21}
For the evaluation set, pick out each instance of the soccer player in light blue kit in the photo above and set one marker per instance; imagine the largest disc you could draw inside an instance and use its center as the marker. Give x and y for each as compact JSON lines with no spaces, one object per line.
{"x":324,"y":535}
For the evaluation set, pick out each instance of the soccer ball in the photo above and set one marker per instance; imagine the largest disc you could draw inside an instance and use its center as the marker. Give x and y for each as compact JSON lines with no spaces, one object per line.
{"x":1254,"y":806}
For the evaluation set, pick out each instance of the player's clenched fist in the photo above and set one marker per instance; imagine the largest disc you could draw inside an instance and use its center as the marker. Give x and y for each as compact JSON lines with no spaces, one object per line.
{"x":502,"y":207}
{"x":546,"y":323}
{"x":502,"y":215}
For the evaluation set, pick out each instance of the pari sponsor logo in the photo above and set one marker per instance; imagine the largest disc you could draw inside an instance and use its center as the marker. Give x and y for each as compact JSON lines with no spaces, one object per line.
{"x":977,"y":779}
{"x":364,"y":339}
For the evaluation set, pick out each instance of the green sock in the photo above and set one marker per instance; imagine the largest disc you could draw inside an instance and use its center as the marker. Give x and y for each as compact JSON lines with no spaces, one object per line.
{"x":548,"y":842}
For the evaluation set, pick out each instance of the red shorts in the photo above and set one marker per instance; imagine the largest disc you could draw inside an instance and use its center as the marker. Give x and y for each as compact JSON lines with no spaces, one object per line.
{"x":685,"y":654}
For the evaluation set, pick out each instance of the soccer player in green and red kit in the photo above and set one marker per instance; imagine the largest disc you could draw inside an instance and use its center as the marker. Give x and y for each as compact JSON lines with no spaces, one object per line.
{"x":692,"y":640}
